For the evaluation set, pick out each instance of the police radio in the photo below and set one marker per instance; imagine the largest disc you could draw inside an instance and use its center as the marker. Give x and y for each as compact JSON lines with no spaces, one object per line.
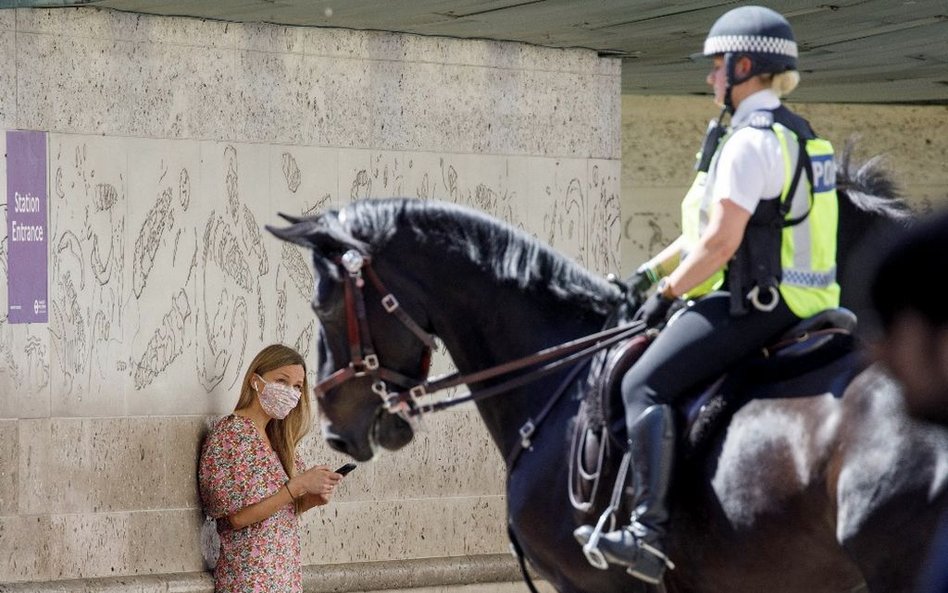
{"x":716,"y":131}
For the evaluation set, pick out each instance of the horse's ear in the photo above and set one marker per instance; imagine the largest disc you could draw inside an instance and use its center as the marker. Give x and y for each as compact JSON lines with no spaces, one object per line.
{"x":289,"y":217}
{"x":323,"y":234}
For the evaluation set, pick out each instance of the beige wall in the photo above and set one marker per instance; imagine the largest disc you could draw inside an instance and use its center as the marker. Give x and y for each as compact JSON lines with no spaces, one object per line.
{"x":660,"y":136}
{"x":171,"y":142}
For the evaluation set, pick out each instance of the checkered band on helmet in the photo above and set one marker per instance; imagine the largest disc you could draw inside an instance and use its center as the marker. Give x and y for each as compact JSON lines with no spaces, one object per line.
{"x":756,"y":31}
{"x":750,"y":44}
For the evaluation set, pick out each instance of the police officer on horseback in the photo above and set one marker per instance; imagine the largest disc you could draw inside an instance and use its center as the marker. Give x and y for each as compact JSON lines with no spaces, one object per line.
{"x":757,"y":254}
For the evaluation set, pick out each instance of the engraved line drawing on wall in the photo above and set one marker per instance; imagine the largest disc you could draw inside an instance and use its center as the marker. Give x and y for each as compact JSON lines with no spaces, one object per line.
{"x":166,"y":344}
{"x":291,"y":172}
{"x":87,"y":236}
{"x":194,"y":290}
{"x":149,"y":238}
{"x":172,"y":264}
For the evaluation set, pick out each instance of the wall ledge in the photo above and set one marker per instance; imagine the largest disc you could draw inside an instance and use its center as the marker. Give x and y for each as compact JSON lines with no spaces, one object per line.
{"x":328,"y":578}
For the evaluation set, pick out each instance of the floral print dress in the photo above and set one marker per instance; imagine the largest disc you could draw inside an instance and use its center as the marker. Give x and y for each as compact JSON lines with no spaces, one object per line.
{"x":238,"y":468}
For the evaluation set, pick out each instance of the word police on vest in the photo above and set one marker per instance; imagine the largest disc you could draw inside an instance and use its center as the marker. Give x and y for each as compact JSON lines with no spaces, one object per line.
{"x":824,"y":173}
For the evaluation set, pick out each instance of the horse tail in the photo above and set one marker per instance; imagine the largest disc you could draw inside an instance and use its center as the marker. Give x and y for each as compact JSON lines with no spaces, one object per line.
{"x":871,"y":208}
{"x":868,"y":186}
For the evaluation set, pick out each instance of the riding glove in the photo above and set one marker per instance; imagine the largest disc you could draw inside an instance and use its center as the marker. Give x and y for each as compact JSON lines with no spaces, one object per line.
{"x":655,"y":310}
{"x":638,"y":284}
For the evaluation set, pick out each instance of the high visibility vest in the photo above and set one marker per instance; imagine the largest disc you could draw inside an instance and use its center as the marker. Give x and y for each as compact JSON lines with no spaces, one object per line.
{"x":807,"y":280}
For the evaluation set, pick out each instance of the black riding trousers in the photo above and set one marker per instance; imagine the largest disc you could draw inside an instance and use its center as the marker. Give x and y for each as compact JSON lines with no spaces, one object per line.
{"x":697,"y":348}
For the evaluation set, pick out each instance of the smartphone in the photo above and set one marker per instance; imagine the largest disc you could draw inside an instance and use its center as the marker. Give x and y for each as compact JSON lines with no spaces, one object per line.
{"x":345,"y":469}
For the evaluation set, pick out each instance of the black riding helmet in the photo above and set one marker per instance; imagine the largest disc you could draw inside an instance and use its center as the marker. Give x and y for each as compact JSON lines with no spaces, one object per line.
{"x":761,"y":34}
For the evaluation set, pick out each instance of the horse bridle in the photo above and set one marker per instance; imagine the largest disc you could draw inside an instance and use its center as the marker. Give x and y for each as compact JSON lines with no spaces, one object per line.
{"x":364,"y":361}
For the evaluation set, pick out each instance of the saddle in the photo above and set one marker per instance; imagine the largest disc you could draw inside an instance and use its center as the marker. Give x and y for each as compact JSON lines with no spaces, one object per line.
{"x":815,"y":356}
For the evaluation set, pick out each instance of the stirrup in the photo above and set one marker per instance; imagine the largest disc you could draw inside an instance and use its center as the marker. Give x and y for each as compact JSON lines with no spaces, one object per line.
{"x":657,"y":557}
{"x":656,"y":552}
{"x":591,"y":549}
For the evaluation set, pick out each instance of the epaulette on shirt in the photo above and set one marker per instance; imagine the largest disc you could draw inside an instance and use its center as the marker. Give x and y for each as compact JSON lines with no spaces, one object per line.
{"x":763,"y":119}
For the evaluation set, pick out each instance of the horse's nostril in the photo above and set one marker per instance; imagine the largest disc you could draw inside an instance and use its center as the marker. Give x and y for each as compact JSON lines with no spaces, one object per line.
{"x":337,"y":444}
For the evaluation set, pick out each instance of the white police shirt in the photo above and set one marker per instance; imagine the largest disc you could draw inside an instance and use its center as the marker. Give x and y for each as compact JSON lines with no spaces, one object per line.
{"x":750,"y":166}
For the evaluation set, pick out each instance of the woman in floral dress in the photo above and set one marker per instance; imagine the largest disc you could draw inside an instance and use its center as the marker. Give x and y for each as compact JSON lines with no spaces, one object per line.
{"x":254,"y":484}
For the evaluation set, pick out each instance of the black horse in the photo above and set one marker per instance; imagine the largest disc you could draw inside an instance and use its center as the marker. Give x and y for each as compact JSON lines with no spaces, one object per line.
{"x":799,"y":494}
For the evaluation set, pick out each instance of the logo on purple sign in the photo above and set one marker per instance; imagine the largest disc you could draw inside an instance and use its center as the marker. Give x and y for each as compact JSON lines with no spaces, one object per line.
{"x":27,"y":260}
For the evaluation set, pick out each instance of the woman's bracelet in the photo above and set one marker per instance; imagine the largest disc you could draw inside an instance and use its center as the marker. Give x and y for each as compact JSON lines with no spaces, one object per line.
{"x":287,"y":486}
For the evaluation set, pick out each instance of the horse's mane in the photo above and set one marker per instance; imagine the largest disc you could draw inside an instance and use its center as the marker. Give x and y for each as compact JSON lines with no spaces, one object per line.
{"x":869,"y":186}
{"x":507,"y":253}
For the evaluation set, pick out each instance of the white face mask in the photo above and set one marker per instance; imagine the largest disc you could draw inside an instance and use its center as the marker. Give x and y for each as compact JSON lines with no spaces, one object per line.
{"x":277,"y":399}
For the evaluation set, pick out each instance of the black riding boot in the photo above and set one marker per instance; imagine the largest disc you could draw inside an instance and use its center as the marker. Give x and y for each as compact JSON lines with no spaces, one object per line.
{"x":639,"y":546}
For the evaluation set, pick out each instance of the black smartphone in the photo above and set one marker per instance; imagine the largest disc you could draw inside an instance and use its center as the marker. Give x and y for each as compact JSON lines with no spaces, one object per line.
{"x":345,"y":469}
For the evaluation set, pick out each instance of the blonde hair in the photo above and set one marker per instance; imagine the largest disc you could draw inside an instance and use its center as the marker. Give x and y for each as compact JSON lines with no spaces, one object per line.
{"x":784,"y":82}
{"x":284,"y":434}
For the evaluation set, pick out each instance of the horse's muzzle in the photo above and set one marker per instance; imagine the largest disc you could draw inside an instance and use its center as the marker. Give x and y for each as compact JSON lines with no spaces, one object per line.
{"x":393,"y":432}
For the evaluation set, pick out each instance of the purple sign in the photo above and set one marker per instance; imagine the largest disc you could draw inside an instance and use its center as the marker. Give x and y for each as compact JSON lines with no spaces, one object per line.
{"x":26,"y":227}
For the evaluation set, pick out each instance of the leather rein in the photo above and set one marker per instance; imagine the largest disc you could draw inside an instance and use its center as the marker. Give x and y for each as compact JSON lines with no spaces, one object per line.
{"x":364,"y":361}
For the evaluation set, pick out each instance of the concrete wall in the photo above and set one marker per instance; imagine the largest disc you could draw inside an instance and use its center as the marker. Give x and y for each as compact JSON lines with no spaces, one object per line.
{"x":660,"y":136}
{"x":171,"y":142}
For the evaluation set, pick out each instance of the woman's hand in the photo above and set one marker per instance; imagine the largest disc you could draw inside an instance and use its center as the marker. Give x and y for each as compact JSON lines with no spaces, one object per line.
{"x":315,"y":500}
{"x":318,"y":480}
{"x":313,"y":487}
{"x":310,"y":488}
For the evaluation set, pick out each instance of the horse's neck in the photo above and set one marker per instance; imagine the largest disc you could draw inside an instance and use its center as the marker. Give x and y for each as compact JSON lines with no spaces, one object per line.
{"x":501,"y":325}
{"x":485,"y":317}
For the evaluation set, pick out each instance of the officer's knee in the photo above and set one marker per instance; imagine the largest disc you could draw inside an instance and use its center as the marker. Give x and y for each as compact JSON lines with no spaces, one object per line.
{"x":636,"y":392}
{"x":631,"y":388}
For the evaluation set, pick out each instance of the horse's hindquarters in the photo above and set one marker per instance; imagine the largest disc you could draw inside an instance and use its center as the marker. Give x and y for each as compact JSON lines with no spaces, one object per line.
{"x":757,"y":516}
{"x":890,"y":485}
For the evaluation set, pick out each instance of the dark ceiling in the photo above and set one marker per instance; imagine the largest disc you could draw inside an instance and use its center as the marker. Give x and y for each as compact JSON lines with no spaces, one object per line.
{"x":867,"y":51}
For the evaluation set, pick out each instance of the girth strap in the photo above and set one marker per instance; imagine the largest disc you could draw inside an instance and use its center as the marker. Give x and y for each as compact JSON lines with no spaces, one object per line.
{"x":521,"y":559}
